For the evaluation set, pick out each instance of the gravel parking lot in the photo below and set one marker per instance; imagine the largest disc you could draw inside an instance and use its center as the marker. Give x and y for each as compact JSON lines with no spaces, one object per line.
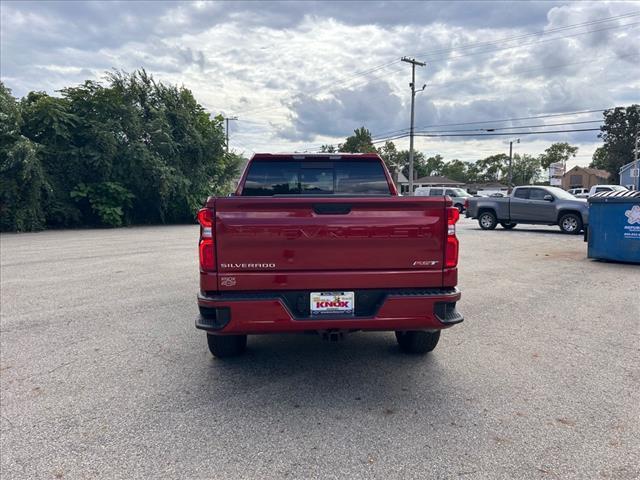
{"x":103,"y":374}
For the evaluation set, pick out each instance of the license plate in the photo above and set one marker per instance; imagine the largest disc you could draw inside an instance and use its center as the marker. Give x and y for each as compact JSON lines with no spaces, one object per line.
{"x":327,"y":303}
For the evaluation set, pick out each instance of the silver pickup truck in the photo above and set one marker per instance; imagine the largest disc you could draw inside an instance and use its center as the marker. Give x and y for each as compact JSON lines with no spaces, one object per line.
{"x":531,"y":204}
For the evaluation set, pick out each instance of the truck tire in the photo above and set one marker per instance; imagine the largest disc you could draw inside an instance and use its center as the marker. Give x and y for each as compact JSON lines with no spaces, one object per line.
{"x":507,"y":225}
{"x":460,"y":207}
{"x":417,"y":341}
{"x":223,"y":346}
{"x":570,"y":223}
{"x":487,"y":220}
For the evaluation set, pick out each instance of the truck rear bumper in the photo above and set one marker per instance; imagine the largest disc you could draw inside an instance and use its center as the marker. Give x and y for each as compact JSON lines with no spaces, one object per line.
{"x":287,"y":311}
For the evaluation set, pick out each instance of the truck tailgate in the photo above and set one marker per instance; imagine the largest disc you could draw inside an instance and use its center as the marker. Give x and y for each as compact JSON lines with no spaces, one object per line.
{"x":336,"y":243}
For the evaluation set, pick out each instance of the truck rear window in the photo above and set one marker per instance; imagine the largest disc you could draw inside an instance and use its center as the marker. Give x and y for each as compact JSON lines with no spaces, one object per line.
{"x":306,"y":177}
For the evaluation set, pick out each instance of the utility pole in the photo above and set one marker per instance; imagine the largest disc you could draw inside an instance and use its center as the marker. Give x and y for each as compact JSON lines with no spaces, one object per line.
{"x":637,"y":158}
{"x":413,"y":63}
{"x":226,"y":119}
{"x":510,"y":164}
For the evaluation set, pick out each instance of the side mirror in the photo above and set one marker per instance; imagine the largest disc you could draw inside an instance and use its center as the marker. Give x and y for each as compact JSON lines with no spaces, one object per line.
{"x":548,"y":198}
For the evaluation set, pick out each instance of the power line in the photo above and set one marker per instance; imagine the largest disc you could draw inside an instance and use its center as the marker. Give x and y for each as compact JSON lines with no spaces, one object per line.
{"x":437,"y":135}
{"x":372,"y":70}
{"x":496,"y":42}
{"x":532,"y":34}
{"x":508,"y":133}
{"x":484,"y":132}
{"x":488,"y":51}
{"x":510,"y":119}
{"x":546,"y":115}
{"x":611,"y":27}
{"x":511,"y":128}
{"x":529,"y":70}
{"x":362,"y":73}
{"x":511,"y":72}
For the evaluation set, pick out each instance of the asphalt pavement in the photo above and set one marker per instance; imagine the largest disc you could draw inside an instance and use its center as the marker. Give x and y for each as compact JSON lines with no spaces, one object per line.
{"x":103,"y":374}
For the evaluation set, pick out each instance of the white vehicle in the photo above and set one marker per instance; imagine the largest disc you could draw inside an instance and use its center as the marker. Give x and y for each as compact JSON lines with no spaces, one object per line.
{"x":579,"y":192}
{"x":458,"y":195}
{"x":606,"y":188}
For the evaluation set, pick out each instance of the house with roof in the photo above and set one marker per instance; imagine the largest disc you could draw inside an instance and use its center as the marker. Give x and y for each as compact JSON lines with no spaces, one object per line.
{"x":584,"y":177}
{"x":630,"y":175}
{"x":402,"y":183}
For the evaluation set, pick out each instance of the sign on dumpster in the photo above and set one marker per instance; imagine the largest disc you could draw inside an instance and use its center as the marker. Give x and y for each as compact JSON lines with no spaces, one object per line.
{"x":632,"y":231}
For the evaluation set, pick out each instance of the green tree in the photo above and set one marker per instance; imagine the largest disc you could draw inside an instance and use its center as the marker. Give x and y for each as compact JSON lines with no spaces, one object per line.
{"x":557,"y":152}
{"x":599,"y":158}
{"x":526,"y":169}
{"x":419,"y":163}
{"x":493,"y":168}
{"x":455,"y":170}
{"x":231,"y":165}
{"x":327,"y":149}
{"x":359,"y":142}
{"x":434,"y":165}
{"x":392,"y":159}
{"x":127,"y":150}
{"x":473,"y":174}
{"x":49,"y":122}
{"x":621,"y":126}
{"x":23,"y":182}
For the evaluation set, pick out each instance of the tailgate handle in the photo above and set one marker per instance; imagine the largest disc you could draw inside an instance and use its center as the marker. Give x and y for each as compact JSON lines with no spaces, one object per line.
{"x":332,"y":208}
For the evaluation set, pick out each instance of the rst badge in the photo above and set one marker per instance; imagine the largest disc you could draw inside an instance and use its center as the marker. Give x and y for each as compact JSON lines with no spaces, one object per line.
{"x":425,"y":263}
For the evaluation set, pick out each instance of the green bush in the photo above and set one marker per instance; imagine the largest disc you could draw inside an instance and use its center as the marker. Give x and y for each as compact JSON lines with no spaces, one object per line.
{"x":131,"y":150}
{"x":107,"y":201}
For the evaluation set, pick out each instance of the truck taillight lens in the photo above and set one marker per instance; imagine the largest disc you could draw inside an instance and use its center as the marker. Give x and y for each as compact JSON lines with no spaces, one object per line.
{"x":205,"y":217}
{"x":206,"y":246}
{"x":452,"y":246}
{"x":207,"y":255}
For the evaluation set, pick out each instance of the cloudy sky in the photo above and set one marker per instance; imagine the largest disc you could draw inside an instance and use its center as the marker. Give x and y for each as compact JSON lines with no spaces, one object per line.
{"x":300,"y":74}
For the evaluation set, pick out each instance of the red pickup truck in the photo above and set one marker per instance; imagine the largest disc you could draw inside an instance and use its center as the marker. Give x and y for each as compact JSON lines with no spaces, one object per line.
{"x":323,"y":243}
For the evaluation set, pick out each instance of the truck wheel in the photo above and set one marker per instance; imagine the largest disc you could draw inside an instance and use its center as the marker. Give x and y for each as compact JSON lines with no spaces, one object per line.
{"x":570,"y":223}
{"x":507,"y":225}
{"x":222,"y":346}
{"x":417,"y":341}
{"x":460,"y":207}
{"x":487,"y":221}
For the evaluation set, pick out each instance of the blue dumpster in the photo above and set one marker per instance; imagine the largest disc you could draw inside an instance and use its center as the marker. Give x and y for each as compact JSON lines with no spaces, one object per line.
{"x":614,"y":226}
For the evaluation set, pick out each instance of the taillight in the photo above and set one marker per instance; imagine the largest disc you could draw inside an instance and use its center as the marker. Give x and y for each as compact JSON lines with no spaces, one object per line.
{"x":451,"y":247}
{"x":466,"y":204}
{"x":206,"y":246}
